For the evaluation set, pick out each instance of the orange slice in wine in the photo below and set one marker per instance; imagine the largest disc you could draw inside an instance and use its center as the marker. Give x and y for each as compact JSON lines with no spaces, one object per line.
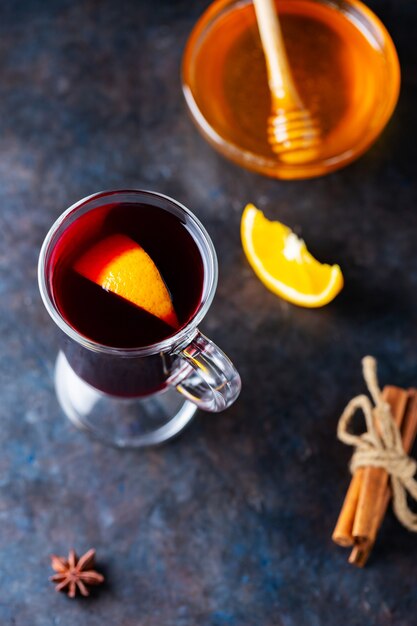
{"x":120,"y":265}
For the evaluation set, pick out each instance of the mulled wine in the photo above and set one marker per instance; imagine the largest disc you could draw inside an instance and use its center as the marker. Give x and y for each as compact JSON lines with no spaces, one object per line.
{"x":104,"y":316}
{"x":109,"y":319}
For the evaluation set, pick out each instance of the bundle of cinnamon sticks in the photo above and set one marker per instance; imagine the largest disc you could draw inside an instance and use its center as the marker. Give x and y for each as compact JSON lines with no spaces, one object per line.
{"x":369,"y":492}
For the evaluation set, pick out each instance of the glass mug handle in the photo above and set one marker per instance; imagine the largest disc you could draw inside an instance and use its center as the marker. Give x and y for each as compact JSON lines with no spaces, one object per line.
{"x":205,"y":375}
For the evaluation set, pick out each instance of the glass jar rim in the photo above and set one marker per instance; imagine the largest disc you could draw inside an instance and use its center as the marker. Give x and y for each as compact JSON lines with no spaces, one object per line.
{"x":200,"y":236}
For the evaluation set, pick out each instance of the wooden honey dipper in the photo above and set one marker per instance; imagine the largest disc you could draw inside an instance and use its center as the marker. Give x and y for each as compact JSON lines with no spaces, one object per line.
{"x":293,"y":134}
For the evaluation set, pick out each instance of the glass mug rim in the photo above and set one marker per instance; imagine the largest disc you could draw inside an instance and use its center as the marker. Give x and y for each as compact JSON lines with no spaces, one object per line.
{"x":200,"y":236}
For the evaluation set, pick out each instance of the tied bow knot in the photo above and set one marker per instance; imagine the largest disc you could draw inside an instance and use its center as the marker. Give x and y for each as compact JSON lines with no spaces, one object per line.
{"x":381,"y":444}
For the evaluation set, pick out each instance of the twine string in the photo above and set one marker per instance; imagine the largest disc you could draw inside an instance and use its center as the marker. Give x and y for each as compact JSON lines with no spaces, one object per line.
{"x":381,"y":444}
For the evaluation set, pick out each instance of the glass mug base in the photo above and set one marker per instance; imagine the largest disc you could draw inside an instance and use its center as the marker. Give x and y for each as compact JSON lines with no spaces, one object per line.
{"x":120,"y":422}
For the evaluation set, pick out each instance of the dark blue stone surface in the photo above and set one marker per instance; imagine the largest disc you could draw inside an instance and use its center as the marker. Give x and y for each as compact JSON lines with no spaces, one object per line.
{"x":230,"y":524}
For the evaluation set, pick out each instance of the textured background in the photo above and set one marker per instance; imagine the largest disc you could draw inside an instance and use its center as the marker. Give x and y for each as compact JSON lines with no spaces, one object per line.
{"x":230,"y":524}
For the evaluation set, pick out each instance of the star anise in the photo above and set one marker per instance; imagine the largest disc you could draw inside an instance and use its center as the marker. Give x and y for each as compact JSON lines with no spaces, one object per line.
{"x":75,"y":573}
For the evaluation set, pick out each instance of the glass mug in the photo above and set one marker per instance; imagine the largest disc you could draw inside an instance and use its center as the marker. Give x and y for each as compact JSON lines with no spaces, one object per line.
{"x":137,"y":396}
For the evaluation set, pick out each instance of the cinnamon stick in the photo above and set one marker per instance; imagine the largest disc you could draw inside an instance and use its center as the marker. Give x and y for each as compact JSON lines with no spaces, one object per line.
{"x":375,"y":479}
{"x":409,"y":429}
{"x":361,"y":552}
{"x":343,"y":533}
{"x":408,"y":436}
{"x":362,"y":549}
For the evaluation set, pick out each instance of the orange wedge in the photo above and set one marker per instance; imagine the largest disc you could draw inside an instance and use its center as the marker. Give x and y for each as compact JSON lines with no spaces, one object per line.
{"x":282,"y":262}
{"x":120,"y":265}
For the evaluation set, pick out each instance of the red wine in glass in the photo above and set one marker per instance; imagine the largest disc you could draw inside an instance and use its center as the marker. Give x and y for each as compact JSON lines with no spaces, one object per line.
{"x":110,"y":320}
